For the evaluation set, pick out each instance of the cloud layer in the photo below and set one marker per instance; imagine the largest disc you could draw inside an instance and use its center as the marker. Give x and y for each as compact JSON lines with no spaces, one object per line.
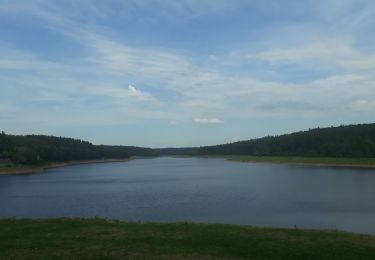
{"x":207,"y":121}
{"x":117,"y":66}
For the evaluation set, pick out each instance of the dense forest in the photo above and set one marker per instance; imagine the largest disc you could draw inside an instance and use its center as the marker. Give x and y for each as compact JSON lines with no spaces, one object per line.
{"x":342,"y":141}
{"x":31,"y":149}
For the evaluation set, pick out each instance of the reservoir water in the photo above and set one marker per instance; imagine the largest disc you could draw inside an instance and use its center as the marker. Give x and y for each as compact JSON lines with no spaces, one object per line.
{"x":200,"y":190}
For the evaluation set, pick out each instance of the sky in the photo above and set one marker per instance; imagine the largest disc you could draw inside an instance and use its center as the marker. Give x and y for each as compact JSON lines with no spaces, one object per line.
{"x":167,"y":73}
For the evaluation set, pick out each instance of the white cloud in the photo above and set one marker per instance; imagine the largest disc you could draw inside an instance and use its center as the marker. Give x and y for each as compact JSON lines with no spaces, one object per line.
{"x":121,"y":59}
{"x":362,"y":105}
{"x":139,"y":95}
{"x":130,"y":93}
{"x":211,"y":120}
{"x":200,"y":89}
{"x":197,"y":88}
{"x":206,"y":91}
{"x":336,"y":52}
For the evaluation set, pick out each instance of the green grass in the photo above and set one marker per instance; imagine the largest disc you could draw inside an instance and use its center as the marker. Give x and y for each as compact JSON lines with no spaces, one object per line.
{"x":31,"y":168}
{"x":11,"y":167}
{"x":21,"y":167}
{"x":370,"y":162}
{"x":102,"y":239}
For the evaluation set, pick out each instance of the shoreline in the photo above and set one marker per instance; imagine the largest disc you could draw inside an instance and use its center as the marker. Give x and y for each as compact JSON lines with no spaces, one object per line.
{"x":298,"y":160}
{"x":366,"y":166}
{"x":302,"y":163}
{"x":40,"y":168}
{"x":287,"y":160}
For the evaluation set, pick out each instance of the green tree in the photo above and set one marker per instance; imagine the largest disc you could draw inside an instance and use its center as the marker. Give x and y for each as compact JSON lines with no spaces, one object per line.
{"x":24,"y":155}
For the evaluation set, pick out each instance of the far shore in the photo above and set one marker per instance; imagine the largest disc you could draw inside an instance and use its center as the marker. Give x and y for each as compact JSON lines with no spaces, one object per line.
{"x":28,"y":169}
{"x":308,"y":161}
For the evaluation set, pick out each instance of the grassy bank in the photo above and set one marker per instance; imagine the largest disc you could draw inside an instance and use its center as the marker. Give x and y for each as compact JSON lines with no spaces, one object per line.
{"x":323,"y":161}
{"x":21,"y":168}
{"x":26,"y":169}
{"x":101,"y":239}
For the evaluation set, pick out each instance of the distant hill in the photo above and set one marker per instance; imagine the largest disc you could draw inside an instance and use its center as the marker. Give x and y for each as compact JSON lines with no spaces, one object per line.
{"x":31,"y":149}
{"x":341,"y":141}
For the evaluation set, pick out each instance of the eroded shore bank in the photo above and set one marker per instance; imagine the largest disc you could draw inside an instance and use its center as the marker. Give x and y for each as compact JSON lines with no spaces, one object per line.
{"x":28,"y":169}
{"x":304,"y":161}
{"x":308,"y":161}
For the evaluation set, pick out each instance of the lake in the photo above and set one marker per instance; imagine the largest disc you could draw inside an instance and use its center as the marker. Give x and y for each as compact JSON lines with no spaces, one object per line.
{"x":210,"y":190}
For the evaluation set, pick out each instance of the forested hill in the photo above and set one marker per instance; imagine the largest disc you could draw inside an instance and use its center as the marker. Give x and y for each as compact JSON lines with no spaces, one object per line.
{"x":31,"y":149}
{"x":342,"y":141}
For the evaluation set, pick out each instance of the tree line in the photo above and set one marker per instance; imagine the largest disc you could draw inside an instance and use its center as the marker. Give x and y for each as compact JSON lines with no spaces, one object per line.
{"x":342,"y":141}
{"x":32,"y":149}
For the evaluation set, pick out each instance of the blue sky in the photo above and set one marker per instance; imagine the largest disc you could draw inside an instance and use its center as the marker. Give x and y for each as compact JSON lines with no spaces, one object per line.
{"x":184,"y":73}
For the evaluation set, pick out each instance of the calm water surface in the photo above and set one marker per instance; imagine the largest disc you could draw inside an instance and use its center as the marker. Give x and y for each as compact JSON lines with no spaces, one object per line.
{"x":198,"y":189}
